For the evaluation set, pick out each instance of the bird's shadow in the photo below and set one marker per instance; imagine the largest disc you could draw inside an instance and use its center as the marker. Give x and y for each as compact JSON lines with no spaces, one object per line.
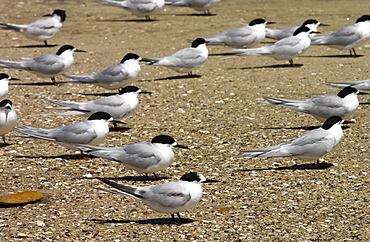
{"x":299,"y":127}
{"x":155,"y":221}
{"x":368,"y":103}
{"x":128,"y":20}
{"x":271,"y":66}
{"x":38,"y":83}
{"x":31,"y":46}
{"x":332,"y":56}
{"x":178,"y":77}
{"x":130,"y":178}
{"x":66,"y":157}
{"x":311,"y":166}
{"x":5,"y":144}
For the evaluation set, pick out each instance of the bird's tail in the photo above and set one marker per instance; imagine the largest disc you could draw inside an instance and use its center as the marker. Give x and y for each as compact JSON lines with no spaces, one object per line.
{"x":288,"y":103}
{"x":255,"y":51}
{"x":121,"y":189}
{"x":177,"y":3}
{"x":80,"y":79}
{"x":120,"y":4}
{"x":14,"y":27}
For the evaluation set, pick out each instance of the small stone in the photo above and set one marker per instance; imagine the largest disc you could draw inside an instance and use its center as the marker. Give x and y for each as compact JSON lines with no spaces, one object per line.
{"x":21,"y":198}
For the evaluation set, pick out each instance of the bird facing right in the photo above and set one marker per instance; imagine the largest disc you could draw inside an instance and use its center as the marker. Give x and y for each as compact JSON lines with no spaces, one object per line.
{"x":143,"y":157}
{"x":47,"y":66}
{"x":169,"y":197}
{"x":114,"y":77}
{"x":42,"y":29}
{"x":322,"y":107}
{"x":184,"y":60}
{"x":284,"y":49}
{"x":347,"y":38}
{"x":4,"y":84}
{"x":310,"y":146}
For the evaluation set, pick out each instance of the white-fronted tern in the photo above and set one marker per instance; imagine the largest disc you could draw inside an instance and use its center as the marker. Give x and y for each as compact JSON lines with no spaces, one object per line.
{"x":8,"y":118}
{"x":118,"y":106}
{"x":4,"y":84}
{"x":198,"y":5}
{"x":184,"y":60}
{"x":169,"y":197}
{"x":279,"y":34}
{"x":246,"y":36}
{"x":42,"y":29}
{"x":284,"y":49}
{"x":139,"y":8}
{"x":114,"y":77}
{"x":322,"y":107}
{"x":347,"y":38}
{"x":91,"y":131}
{"x":310,"y":146}
{"x":47,"y":66}
{"x":143,"y":157}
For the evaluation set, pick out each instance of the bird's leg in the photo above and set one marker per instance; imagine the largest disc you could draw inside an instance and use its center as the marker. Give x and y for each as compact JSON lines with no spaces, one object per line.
{"x":84,"y":157}
{"x":4,"y":142}
{"x":156,"y":176}
{"x":291,"y":63}
{"x":147,"y":18}
{"x":207,"y":12}
{"x":190,"y":74}
{"x":46,"y":43}
{"x":178,"y":215}
{"x":53,"y":80}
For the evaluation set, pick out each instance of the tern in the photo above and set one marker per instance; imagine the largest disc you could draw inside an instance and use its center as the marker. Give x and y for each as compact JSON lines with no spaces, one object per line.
{"x":198,"y":5}
{"x":42,"y":29}
{"x":8,"y":118}
{"x":169,"y":197}
{"x":347,"y":38}
{"x":310,"y":146}
{"x":4,"y":84}
{"x":47,"y":66}
{"x":143,"y":157}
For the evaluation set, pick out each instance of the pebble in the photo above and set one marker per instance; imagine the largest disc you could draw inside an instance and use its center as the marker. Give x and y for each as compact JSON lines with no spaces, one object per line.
{"x":21,"y":198}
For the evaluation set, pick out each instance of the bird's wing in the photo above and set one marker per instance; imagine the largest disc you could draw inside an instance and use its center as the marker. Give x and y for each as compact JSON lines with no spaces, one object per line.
{"x":170,"y":194}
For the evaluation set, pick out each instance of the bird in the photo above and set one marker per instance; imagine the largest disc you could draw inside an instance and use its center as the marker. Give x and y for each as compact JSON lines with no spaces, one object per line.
{"x":322,"y":107}
{"x":347,"y":38}
{"x":143,"y":157}
{"x":198,"y":5}
{"x":184,"y":60}
{"x":4,"y":84}
{"x":139,"y":8}
{"x":170,"y":197}
{"x":310,"y":146}
{"x":91,"y":131}
{"x":114,"y":77}
{"x":42,"y":29}
{"x":8,"y":118}
{"x":47,"y":66}
{"x":246,"y":36}
{"x":118,"y":105}
{"x":284,"y":49}
{"x":363,"y":85}
{"x":279,"y":34}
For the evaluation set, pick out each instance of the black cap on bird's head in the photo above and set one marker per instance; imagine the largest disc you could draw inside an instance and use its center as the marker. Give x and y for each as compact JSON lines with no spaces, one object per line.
{"x":303,"y":29}
{"x":257,"y":21}
{"x":130,"y":56}
{"x":6,"y":76}
{"x":60,"y":13}
{"x":331,"y":121}
{"x":67,"y":47}
{"x":4,"y":102}
{"x":195,"y":176}
{"x":132,"y":89}
{"x":363,"y":18}
{"x":165,"y":139}
{"x":313,"y":21}
{"x":99,"y":116}
{"x":197,"y":42}
{"x":346,"y":91}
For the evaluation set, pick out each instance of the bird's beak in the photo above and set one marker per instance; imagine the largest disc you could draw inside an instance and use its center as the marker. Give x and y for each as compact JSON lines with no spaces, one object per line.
{"x":47,"y":15}
{"x":14,"y":79}
{"x":117,"y":121}
{"x":271,"y":22}
{"x":182,"y":147}
{"x":321,"y":24}
{"x":80,"y":51}
{"x":362,"y":93}
{"x":145,"y":92}
{"x":210,"y":181}
{"x":315,"y":32}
